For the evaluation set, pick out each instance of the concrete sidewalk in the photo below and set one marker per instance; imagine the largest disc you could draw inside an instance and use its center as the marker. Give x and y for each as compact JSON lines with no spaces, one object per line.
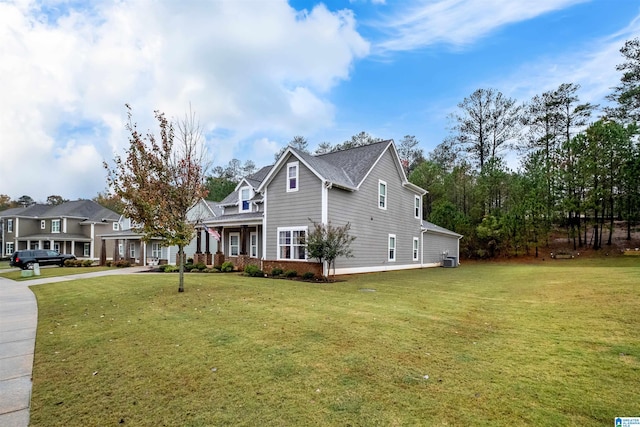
{"x":18,"y":324}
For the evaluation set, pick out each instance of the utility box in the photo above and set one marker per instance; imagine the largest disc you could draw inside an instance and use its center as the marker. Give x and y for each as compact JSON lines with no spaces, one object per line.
{"x":36,"y":269}
{"x":449,"y":262}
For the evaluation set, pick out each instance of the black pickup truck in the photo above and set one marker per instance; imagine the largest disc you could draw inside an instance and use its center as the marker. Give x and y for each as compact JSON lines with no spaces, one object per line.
{"x":26,"y":259}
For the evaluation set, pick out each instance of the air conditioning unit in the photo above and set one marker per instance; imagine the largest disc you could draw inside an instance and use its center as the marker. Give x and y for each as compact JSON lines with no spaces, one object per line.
{"x":449,"y":262}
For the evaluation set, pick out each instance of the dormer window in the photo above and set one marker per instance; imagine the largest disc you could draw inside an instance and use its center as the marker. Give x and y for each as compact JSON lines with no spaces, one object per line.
{"x":245,"y":197}
{"x":292,"y":176}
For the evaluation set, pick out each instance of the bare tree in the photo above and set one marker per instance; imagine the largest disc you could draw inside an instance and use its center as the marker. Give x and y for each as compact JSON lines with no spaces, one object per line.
{"x":161,"y":179}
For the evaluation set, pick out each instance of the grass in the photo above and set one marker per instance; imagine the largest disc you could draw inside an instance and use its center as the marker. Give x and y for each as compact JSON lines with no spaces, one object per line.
{"x":557,"y":343}
{"x":4,"y":264}
{"x":52,"y":272}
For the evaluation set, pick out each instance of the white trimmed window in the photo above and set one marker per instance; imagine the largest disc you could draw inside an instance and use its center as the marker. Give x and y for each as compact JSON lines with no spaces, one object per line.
{"x":416,"y":248}
{"x":87,"y":250}
{"x":234,"y":244}
{"x":416,"y":207}
{"x":253,"y":244}
{"x":292,"y":176}
{"x":245,"y":195}
{"x":292,"y":243}
{"x":382,"y":194}
{"x":10,"y":226}
{"x":55,"y":225}
{"x":156,"y":250}
{"x":392,"y":247}
{"x":132,"y":250}
{"x":116,"y":226}
{"x":9,"y":248}
{"x":121,"y":249}
{"x":43,"y":224}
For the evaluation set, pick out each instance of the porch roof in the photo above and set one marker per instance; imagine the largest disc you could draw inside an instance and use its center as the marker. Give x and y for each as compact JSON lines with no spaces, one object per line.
{"x":249,"y":218}
{"x":61,"y":237}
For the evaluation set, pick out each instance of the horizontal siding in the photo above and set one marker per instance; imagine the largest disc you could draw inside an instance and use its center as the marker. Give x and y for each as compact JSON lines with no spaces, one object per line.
{"x":291,"y":209}
{"x":372,"y":225}
{"x":435,"y":245}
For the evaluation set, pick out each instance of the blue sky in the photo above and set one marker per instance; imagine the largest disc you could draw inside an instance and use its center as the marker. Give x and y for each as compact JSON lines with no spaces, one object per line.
{"x":259,"y":72}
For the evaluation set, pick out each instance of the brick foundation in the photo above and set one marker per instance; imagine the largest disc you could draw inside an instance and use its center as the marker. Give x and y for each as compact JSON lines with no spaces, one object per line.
{"x":299,"y":267}
{"x":218,"y":259}
{"x":202,"y":258}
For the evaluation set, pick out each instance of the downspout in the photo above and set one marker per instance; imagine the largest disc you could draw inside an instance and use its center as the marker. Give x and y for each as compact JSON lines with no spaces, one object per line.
{"x":93,"y":239}
{"x":264,"y":230}
{"x":324,"y":197}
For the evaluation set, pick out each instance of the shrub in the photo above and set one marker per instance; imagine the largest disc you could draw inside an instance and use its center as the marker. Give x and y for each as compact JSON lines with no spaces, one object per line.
{"x":122,"y":263}
{"x":108,"y":263}
{"x":276,"y":272}
{"x":189,"y":266}
{"x":253,"y":271}
{"x":194,"y":270}
{"x":308,"y":275}
{"x":290,"y":273}
{"x":226,"y":267}
{"x":200,"y":266}
{"x":69,"y":263}
{"x":189,"y":260}
{"x":169,"y":268}
{"x":210,"y":270}
{"x":87,"y":263}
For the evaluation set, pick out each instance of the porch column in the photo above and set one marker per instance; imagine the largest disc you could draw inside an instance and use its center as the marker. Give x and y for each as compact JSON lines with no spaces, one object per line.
{"x":219,"y":242}
{"x":198,"y":240}
{"x":243,"y":240}
{"x":116,"y":246}
{"x":103,"y":253}
{"x":207,"y":243}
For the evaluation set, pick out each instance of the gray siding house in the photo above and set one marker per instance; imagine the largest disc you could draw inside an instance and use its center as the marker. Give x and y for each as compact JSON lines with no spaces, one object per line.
{"x":266,"y":219}
{"x":71,"y":227}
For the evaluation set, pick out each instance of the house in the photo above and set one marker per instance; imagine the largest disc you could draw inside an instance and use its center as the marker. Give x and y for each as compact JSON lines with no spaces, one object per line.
{"x":72,"y":227}
{"x":266,"y":219}
{"x":128,"y":242}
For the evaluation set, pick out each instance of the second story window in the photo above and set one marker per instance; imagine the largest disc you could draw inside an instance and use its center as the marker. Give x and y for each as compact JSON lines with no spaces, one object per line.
{"x":43,"y":224}
{"x":245,"y":196}
{"x":55,"y":225}
{"x":10,"y":225}
{"x":382,"y":195}
{"x":292,"y":176}
{"x":417,"y":207}
{"x":116,"y":226}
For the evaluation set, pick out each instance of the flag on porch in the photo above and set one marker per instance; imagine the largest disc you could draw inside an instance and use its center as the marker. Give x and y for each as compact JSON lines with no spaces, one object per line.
{"x":212,"y":232}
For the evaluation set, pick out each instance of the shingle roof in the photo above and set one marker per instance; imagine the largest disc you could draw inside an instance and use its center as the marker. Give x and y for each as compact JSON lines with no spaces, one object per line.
{"x":429,"y":226}
{"x":345,"y":168}
{"x":86,"y":209}
{"x":356,"y":162}
{"x":256,"y":179}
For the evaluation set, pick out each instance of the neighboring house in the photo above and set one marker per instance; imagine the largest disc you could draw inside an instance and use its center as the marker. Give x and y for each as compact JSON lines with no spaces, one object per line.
{"x":125,"y":242}
{"x":266,"y":219}
{"x":71,"y":227}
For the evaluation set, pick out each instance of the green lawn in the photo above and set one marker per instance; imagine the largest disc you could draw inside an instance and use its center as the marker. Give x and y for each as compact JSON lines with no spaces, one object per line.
{"x":556,"y":343}
{"x":53,"y":272}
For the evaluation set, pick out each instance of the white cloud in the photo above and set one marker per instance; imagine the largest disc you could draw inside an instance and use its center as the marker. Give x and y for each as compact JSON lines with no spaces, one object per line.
{"x":248,"y":69}
{"x":457,"y":22}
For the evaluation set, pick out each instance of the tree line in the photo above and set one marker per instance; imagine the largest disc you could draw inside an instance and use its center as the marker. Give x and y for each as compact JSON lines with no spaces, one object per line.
{"x":579,"y":168}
